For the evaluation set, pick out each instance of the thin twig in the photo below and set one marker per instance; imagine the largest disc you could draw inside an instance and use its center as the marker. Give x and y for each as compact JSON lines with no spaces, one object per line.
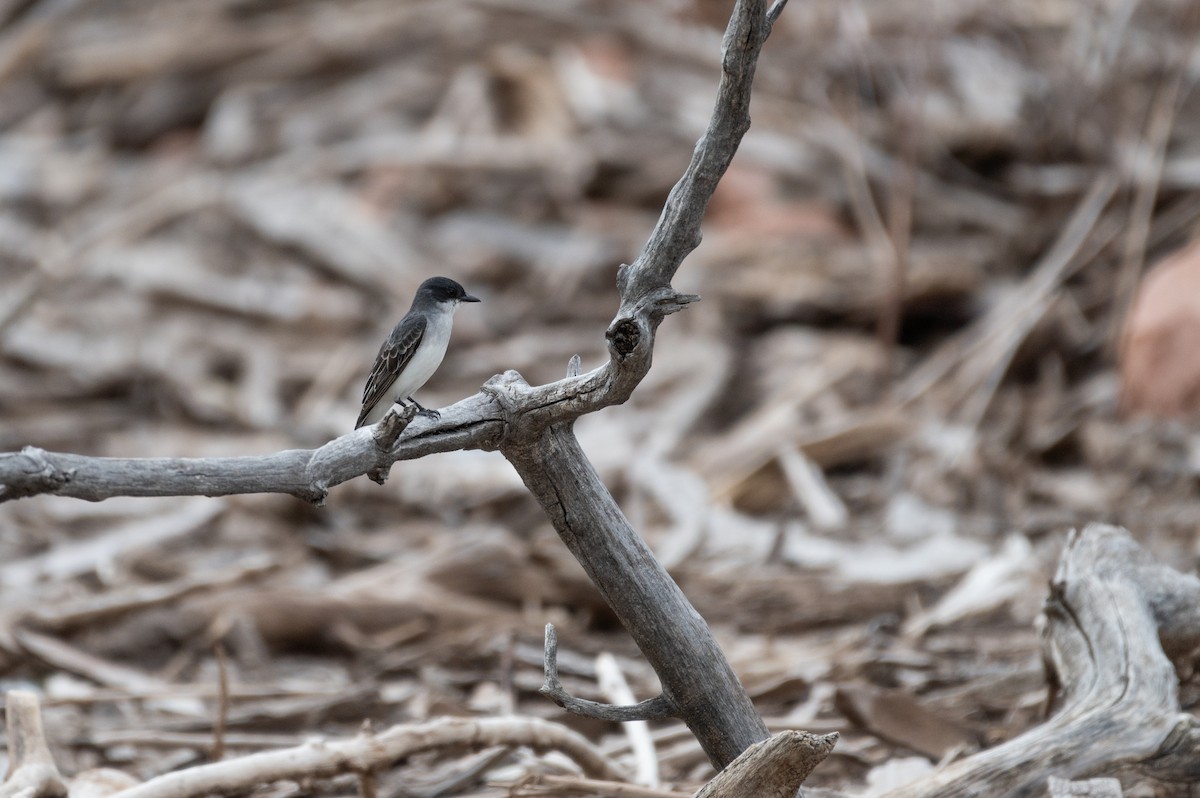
{"x":652,"y":709}
{"x":615,"y":688}
{"x":367,"y":787}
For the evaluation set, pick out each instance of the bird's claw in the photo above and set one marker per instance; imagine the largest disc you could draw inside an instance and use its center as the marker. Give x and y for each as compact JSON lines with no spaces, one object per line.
{"x":433,"y":415}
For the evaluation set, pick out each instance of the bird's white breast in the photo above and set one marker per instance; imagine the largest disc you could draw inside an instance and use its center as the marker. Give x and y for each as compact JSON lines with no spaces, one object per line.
{"x":427,"y":358}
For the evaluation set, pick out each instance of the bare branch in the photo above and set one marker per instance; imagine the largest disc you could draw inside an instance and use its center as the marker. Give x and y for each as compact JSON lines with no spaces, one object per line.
{"x":31,"y":768}
{"x":652,"y":709}
{"x":473,"y":423}
{"x":776,"y":10}
{"x":367,"y":753}
{"x":678,"y":230}
{"x":774,"y":768}
{"x":695,"y":675}
{"x":218,"y":747}
{"x":386,"y":433}
{"x":1113,"y":622}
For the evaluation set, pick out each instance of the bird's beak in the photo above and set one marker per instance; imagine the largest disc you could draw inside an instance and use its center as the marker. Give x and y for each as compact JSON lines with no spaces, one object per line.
{"x":469,"y":298}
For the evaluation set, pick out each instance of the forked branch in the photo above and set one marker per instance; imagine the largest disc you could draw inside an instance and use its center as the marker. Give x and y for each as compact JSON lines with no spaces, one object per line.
{"x":531,"y":426}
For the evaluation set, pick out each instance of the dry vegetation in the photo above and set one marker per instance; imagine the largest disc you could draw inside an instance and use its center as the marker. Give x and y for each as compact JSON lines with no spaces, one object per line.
{"x":858,"y":455}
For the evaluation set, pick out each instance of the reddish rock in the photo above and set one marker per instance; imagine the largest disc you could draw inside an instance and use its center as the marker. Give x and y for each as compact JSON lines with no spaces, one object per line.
{"x":1160,"y":345}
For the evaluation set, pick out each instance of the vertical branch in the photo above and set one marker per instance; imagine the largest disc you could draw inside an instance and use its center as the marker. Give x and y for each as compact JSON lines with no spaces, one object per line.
{"x":696,"y":678}
{"x":675,"y":640}
{"x":677,"y":232}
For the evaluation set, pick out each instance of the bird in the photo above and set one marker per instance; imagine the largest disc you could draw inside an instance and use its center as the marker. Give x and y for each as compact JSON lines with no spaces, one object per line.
{"x":413,"y":351}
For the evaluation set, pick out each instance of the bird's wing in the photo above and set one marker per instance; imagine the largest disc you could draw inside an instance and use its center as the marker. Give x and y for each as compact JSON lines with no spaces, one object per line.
{"x":393,"y":356}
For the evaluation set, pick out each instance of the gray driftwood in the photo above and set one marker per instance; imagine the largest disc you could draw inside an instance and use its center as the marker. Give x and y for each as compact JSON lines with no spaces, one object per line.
{"x":532,"y":427}
{"x":1117,"y":627}
{"x":774,"y":768}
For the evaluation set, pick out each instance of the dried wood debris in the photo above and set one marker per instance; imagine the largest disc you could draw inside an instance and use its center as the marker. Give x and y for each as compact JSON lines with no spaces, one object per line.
{"x":211,"y":211}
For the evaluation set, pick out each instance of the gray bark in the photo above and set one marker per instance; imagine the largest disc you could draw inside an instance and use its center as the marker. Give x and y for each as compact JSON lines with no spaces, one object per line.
{"x":695,"y":675}
{"x":305,"y":473}
{"x":774,"y":768}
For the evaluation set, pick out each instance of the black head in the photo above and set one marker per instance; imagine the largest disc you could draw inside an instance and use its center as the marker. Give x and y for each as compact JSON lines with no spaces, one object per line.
{"x":443,"y":289}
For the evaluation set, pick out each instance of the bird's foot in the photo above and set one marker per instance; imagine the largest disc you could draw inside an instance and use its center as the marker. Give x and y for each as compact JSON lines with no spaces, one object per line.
{"x":422,"y":411}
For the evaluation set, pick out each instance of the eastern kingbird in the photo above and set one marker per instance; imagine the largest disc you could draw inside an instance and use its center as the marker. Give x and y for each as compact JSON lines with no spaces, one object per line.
{"x":413,"y":351}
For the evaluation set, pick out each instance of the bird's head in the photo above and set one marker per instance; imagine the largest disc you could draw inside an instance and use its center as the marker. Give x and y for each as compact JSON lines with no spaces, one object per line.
{"x":443,"y":289}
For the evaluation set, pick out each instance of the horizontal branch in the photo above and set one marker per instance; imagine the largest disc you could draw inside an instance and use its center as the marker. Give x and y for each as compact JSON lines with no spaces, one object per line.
{"x":370,"y":752}
{"x":305,"y":473}
{"x":505,"y":410}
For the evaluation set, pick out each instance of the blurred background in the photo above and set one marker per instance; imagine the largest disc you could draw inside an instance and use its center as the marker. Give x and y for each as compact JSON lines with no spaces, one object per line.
{"x":928,"y":347}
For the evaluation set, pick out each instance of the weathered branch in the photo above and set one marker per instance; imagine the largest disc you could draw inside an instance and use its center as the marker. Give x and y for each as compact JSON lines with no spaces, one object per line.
{"x":776,"y":9}
{"x":650,"y":709}
{"x":774,"y":768}
{"x":695,"y":676}
{"x":386,"y":433}
{"x":1112,"y":617}
{"x":531,"y":426}
{"x":371,"y":752}
{"x":505,"y":408}
{"x":473,"y":423}
{"x":31,"y":768}
{"x":677,"y":232}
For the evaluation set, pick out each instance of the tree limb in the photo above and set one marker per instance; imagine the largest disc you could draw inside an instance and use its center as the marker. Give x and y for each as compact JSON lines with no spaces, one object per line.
{"x":308,"y":474}
{"x":370,"y":752}
{"x":1112,"y":617}
{"x":696,"y":678}
{"x":695,"y":675}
